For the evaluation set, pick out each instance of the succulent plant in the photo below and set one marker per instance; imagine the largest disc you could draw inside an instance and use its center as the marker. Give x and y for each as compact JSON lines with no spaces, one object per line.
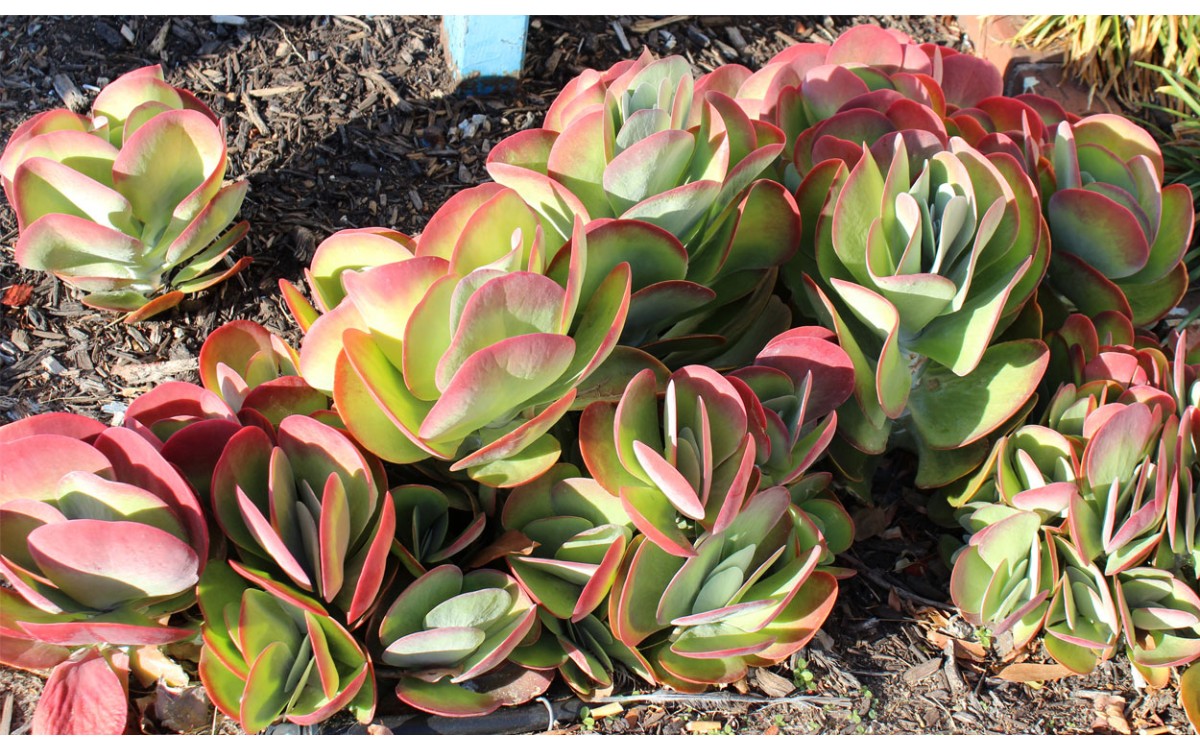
{"x":468,"y":352}
{"x":749,"y":594}
{"x":266,"y":658}
{"x":581,"y":533}
{"x":584,"y":651}
{"x":1119,"y":236}
{"x":249,"y":378}
{"x":102,"y":538}
{"x":922,"y":260}
{"x":716,"y":441}
{"x":101,"y":541}
{"x":434,"y":524}
{"x":127,"y":204}
{"x":308,"y":509}
{"x":451,"y":633}
{"x":635,"y":143}
{"x":865,"y":68}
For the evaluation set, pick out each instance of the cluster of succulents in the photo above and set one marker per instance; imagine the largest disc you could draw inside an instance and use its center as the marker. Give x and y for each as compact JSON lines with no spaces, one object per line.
{"x":574,"y":426}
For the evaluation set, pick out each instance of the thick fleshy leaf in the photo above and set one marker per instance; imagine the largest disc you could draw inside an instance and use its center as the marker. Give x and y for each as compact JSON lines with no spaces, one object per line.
{"x":48,"y":187}
{"x":950,"y":411}
{"x":104,"y":564}
{"x":82,"y":697}
{"x":165,"y":162}
{"x":519,"y":369}
{"x":73,"y":246}
{"x":1095,"y":228}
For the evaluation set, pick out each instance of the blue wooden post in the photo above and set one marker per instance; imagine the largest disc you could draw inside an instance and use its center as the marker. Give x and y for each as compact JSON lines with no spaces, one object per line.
{"x":483,"y":51}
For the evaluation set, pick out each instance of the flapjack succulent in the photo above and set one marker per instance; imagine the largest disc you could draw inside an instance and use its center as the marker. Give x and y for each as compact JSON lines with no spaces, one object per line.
{"x":265,"y":658}
{"x":128,"y":204}
{"x":921,"y":261}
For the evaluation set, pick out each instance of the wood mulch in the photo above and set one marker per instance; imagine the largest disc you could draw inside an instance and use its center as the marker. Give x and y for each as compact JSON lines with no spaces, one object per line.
{"x":351,"y":122}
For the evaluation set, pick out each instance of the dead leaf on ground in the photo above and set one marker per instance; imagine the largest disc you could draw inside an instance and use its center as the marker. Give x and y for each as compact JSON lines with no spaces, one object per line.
{"x":17,"y":295}
{"x":183,"y":710}
{"x":1110,"y":714}
{"x":1032,"y":672}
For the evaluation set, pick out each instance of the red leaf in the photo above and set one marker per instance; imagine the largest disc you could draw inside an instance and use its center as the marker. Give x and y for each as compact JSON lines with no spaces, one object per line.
{"x":82,"y":697}
{"x":17,"y":295}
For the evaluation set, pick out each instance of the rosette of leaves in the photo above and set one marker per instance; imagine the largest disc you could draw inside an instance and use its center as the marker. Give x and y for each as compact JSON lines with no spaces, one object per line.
{"x":808,"y":83}
{"x":1004,"y":577}
{"x":791,"y":393}
{"x":308,"y":510}
{"x":249,"y":377}
{"x":266,"y":658}
{"x":345,"y":250}
{"x":101,"y":536}
{"x":126,"y":205}
{"x":635,"y":142}
{"x":750,"y":594}
{"x":1119,"y":235}
{"x":451,"y":634}
{"x":579,"y":533}
{"x":922,"y":260}
{"x":101,"y":541}
{"x":584,"y":651}
{"x":1160,"y":620}
{"x":688,"y":472}
{"x":1082,"y":625}
{"x":469,"y":351}
{"x":433,"y":525}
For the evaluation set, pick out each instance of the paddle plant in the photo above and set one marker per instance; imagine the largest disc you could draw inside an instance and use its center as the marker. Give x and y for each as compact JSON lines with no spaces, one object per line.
{"x":1119,"y":236}
{"x":1080,"y":528}
{"x":638,"y":142}
{"x":451,"y":633}
{"x":921,"y":261}
{"x":865,"y":68}
{"x":266,"y":658}
{"x":308,"y":509}
{"x":749,"y":593}
{"x":248,"y":377}
{"x":101,"y":541}
{"x":470,"y":351}
{"x":126,"y":204}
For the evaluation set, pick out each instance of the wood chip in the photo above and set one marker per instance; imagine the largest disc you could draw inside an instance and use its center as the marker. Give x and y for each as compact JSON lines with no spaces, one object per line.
{"x":770,"y":683}
{"x":607,"y":710}
{"x":295,"y":88}
{"x":254,"y":117}
{"x":703,"y":727}
{"x":69,"y":93}
{"x":915,"y":674}
{"x":154,"y":371}
{"x":649,"y":24}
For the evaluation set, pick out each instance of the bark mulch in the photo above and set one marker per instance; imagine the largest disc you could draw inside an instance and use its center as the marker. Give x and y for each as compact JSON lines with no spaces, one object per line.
{"x":350,"y":122}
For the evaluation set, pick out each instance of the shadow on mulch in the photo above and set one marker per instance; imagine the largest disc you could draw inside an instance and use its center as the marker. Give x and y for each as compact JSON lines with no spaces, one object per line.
{"x":348,"y":122}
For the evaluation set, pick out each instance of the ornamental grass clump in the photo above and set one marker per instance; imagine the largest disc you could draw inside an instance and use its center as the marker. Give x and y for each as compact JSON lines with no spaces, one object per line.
{"x":128,"y":205}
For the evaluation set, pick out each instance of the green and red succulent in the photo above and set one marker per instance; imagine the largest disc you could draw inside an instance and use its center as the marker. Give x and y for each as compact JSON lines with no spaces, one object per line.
{"x":267,"y":658}
{"x":451,"y":634}
{"x":921,"y":261}
{"x":101,"y":542}
{"x":127,"y":204}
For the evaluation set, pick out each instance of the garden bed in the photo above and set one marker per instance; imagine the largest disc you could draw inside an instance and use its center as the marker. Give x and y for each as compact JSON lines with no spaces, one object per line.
{"x":347,"y":122}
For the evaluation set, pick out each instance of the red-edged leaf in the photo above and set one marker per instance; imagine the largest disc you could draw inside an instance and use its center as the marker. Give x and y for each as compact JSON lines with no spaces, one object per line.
{"x":82,"y":697}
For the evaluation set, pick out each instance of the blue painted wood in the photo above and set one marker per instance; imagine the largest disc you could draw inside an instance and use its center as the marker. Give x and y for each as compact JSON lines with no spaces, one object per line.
{"x":483,"y":49}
